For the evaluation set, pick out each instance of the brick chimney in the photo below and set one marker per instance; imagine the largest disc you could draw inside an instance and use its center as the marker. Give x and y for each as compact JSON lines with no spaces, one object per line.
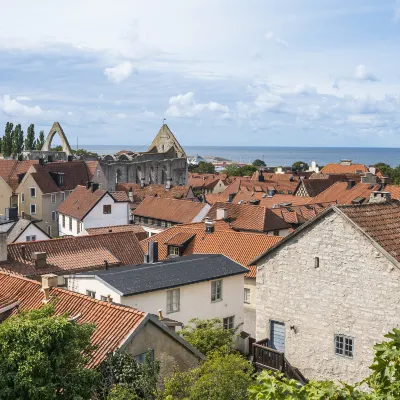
{"x":49,"y":281}
{"x":3,"y":247}
{"x":40,"y":259}
{"x":380,"y":197}
{"x":222,"y":213}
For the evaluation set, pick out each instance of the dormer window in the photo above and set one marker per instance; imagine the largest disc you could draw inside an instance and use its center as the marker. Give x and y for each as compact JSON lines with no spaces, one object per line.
{"x":60,"y":179}
{"x":173,"y":251}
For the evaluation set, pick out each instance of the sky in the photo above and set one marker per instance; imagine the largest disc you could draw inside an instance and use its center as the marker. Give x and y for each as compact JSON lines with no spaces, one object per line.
{"x":222,"y":72}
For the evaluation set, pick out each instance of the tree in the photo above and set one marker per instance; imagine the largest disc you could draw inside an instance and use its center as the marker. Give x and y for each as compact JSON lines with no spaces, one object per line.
{"x":235,"y":170}
{"x":205,"y":168}
{"x":57,"y":148}
{"x":258,"y":163}
{"x":220,"y":377}
{"x":30,"y":138}
{"x":208,"y":335}
{"x":300,"y":166}
{"x":7,"y":139}
{"x":40,"y":141}
{"x":43,"y":356}
{"x":121,"y":376}
{"x":17,"y":140}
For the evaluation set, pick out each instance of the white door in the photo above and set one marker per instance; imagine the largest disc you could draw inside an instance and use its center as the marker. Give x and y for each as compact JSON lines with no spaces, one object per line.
{"x":278,"y":336}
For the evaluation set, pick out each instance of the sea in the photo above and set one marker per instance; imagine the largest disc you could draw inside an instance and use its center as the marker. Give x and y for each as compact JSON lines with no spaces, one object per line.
{"x":275,"y":156}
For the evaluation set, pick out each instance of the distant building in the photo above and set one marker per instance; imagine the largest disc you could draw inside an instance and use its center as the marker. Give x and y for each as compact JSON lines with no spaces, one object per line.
{"x":344,"y":167}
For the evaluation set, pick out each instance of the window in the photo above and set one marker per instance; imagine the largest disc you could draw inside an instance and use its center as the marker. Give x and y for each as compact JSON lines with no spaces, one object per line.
{"x":141,"y":358}
{"x":63,"y":221}
{"x":105,"y":298}
{"x":158,"y":222}
{"x":173,"y":251}
{"x":53,"y":215}
{"x":98,"y":173}
{"x":53,"y":198}
{"x":173,"y":300}
{"x":344,"y":346}
{"x":247,"y":295}
{"x":276,"y":233}
{"x":151,"y":221}
{"x":70,"y":223}
{"x":100,"y":186}
{"x":229,"y":322}
{"x":22,"y":197}
{"x":107,"y":209}
{"x":60,"y":179}
{"x":168,"y":224}
{"x":62,"y":194}
{"x":31,"y":238}
{"x":32,"y":191}
{"x":78,"y":227}
{"x":33,"y":209}
{"x":145,"y":220}
{"x":91,"y":294}
{"x":216,"y":290}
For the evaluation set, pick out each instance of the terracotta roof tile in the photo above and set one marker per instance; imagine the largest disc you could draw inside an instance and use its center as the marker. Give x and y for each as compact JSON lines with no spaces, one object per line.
{"x":180,"y":239}
{"x":139,"y":193}
{"x":113,"y":323}
{"x":136,"y":229}
{"x":10,"y":169}
{"x":344,"y":169}
{"x":179,"y":211}
{"x":92,"y":167}
{"x":120,"y":196}
{"x":269,"y":202}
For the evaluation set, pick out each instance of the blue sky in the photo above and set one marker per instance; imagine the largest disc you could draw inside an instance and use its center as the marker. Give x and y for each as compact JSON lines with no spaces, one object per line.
{"x":222,"y":72}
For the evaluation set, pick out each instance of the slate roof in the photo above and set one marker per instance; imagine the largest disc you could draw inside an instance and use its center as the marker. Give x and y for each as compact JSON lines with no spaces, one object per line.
{"x":179,"y":211}
{"x":241,"y":247}
{"x":113,"y":323}
{"x":171,"y":273}
{"x":18,"y":228}
{"x":249,"y":218}
{"x":76,"y":253}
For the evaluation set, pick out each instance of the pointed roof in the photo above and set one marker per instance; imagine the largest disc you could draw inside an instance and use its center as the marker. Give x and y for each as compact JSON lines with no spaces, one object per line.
{"x":164,"y":141}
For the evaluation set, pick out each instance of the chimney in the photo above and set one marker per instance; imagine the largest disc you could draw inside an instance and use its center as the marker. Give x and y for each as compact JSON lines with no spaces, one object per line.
{"x":109,"y":298}
{"x":3,"y":247}
{"x":222,"y":213}
{"x":22,"y":214}
{"x":89,"y":184}
{"x":350,"y":185}
{"x":152,"y":252}
{"x":168,"y":184}
{"x":385,"y":180}
{"x":370,"y":178}
{"x":95,"y":186}
{"x":209,"y":225}
{"x":345,"y":162}
{"x":130,"y":195}
{"x":23,"y":252}
{"x":50,"y":158}
{"x":41,"y":161}
{"x":160,"y":316}
{"x":260,"y":176}
{"x":105,"y":264}
{"x":142,"y":184}
{"x":70,"y":158}
{"x":40,"y":259}
{"x":380,"y":197}
{"x":49,"y":281}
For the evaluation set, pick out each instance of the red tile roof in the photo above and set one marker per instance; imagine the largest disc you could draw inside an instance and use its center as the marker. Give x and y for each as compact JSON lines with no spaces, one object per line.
{"x":297,"y":215}
{"x":10,"y":169}
{"x":113,"y":323}
{"x":269,"y":202}
{"x":179,"y":211}
{"x":72,"y":254}
{"x":344,"y":169}
{"x":249,"y":217}
{"x":140,"y":233}
{"x":92,"y":167}
{"x":139,"y":193}
{"x":241,"y":247}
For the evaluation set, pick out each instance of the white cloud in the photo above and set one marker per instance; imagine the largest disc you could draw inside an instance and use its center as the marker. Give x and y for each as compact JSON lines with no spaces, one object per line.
{"x":268,"y":101}
{"x":361,"y":74}
{"x":120,"y":72}
{"x":305,"y":89}
{"x":13,"y":107}
{"x":23,"y":98}
{"x":184,"y":105}
{"x":121,"y":115}
{"x":270,"y":36}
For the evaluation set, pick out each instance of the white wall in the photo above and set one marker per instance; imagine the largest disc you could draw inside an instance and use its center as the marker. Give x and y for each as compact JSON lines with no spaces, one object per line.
{"x":195,"y":299}
{"x":282,"y":232}
{"x":32,"y":229}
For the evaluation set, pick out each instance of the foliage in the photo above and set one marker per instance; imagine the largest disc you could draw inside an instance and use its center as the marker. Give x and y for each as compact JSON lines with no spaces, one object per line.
{"x":17,"y":139}
{"x":235,"y":170}
{"x":43,"y":357}
{"x":220,"y":377}
{"x":57,"y":148}
{"x":204,"y":168}
{"x":40,"y":141}
{"x":83,"y":152}
{"x":121,"y":375}
{"x":392,"y":173}
{"x":258,"y":163}
{"x":208,"y":335}
{"x":7,"y":139}
{"x":30,"y":138}
{"x":300,"y":166}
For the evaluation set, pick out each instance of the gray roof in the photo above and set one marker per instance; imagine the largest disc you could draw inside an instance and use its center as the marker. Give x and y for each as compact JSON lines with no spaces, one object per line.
{"x":129,"y":280}
{"x":16,"y":230}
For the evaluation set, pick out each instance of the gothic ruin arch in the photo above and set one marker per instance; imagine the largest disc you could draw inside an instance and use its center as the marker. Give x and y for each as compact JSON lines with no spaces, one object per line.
{"x":56,"y":128}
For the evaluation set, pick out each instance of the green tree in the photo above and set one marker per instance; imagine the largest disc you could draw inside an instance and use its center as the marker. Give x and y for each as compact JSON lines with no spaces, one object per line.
{"x":40,"y":141}
{"x":57,"y":148}
{"x":208,"y":335}
{"x":220,"y":377}
{"x":204,"y":168}
{"x":43,"y":357}
{"x":235,"y":170}
{"x":1,"y":145}
{"x":17,"y":140}
{"x":83,"y":152}
{"x":121,"y":375}
{"x":30,"y":138}
{"x":300,"y":166}
{"x":7,"y":139}
{"x":258,"y":163}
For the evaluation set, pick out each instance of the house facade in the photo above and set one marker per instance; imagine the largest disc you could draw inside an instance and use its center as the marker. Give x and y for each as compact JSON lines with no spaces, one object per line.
{"x":330,"y":291}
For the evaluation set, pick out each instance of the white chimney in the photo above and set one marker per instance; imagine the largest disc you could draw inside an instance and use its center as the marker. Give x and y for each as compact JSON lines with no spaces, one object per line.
{"x":49,"y":281}
{"x":380,"y":197}
{"x":130,"y":195}
{"x":142,"y":184}
{"x":222,"y":213}
{"x":3,"y":247}
{"x":168,"y":184}
{"x":279,"y":170}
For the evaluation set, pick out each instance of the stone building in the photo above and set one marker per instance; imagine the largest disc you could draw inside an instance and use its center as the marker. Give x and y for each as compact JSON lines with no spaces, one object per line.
{"x":330,"y":291}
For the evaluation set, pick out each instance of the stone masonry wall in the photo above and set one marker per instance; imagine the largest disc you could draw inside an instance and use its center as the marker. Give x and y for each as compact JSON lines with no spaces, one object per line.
{"x":355,"y":292}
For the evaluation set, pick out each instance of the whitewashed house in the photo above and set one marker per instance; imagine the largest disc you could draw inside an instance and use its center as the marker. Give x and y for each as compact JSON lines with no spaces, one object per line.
{"x":327,"y":293}
{"x":197,"y":286}
{"x":25,"y":231}
{"x":91,"y":207}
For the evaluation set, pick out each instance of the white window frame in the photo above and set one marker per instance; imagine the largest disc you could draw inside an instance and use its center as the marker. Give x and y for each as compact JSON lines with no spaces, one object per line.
{"x":216,"y":291}
{"x":22,"y":197}
{"x":53,"y":216}
{"x":247,"y":295}
{"x":173,"y":300}
{"x":34,"y":191}
{"x":70,"y":224}
{"x":344,"y":346}
{"x":91,"y":293}
{"x":30,"y":209}
{"x":229,"y":322}
{"x":78,"y":227}
{"x":30,"y":238}
{"x":173,"y":251}
{"x":53,"y":198}
{"x":62,"y":195}
{"x":63,"y":221}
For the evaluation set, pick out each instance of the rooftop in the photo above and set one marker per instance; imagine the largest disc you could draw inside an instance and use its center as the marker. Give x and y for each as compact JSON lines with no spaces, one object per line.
{"x":167,"y":274}
{"x":10,"y":169}
{"x":344,"y":168}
